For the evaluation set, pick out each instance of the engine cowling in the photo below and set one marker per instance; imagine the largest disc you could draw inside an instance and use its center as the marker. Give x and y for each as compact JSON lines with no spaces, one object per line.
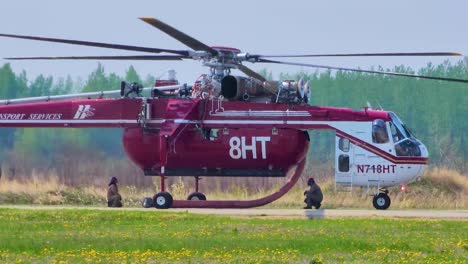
{"x":240,"y":88}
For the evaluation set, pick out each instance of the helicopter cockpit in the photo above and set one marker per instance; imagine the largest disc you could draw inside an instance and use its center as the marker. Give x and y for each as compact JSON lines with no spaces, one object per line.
{"x":404,"y":141}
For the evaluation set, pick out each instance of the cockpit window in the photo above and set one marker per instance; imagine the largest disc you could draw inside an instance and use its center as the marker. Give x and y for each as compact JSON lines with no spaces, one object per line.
{"x":408,"y":147}
{"x":396,"y":134}
{"x":408,"y":132}
{"x":400,"y":126}
{"x":379,"y":131}
{"x":405,"y":143}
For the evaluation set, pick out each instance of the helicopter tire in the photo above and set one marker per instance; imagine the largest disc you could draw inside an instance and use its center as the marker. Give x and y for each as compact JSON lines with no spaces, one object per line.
{"x":163,"y":200}
{"x":381,"y":201}
{"x":196,"y":196}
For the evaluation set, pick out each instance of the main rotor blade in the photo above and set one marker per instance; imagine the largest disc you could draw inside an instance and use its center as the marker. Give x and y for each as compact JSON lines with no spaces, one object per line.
{"x":179,"y":35}
{"x":137,"y":57}
{"x":250,"y":72}
{"x":98,"y":44}
{"x":398,"y":54}
{"x":366,"y":71}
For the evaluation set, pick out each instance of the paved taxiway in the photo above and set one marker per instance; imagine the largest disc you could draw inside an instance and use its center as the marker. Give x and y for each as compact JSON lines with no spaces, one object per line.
{"x":334,"y":213}
{"x":289,"y":213}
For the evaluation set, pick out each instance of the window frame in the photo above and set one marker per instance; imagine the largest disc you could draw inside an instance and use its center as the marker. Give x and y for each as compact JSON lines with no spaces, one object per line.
{"x":343,"y":163}
{"x":341,"y":144}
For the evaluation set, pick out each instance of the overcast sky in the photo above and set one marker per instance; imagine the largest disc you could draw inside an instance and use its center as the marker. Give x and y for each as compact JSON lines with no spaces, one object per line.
{"x":266,"y":27}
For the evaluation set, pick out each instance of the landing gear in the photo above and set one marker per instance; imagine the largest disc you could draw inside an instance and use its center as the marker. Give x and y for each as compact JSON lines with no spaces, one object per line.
{"x":381,"y":200}
{"x":163,"y":200}
{"x":196,"y":196}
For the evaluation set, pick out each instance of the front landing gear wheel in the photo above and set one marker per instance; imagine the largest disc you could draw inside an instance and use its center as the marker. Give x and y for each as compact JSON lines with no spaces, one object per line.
{"x":196,"y":196}
{"x":163,"y":200}
{"x":381,"y":201}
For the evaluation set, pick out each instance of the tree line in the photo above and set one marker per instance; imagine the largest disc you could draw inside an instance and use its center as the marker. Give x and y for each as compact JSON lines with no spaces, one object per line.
{"x":435,"y":111}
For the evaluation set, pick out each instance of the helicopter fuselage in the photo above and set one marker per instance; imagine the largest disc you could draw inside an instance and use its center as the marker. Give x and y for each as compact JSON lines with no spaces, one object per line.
{"x":193,"y":137}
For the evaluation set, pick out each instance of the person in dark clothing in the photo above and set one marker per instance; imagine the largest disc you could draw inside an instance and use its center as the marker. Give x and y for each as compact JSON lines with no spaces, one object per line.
{"x":113,"y":197}
{"x":314,"y":195}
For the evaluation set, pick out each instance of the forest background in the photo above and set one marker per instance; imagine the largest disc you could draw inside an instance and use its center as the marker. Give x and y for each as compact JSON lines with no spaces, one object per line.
{"x":435,"y":111}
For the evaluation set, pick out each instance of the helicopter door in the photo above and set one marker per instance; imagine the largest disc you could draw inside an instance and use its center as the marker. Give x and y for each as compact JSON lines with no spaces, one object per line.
{"x":343,"y":160}
{"x":371,"y":167}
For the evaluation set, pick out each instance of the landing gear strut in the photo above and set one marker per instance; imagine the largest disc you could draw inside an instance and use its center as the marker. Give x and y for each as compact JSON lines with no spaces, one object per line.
{"x":381,"y":200}
{"x":196,"y":196}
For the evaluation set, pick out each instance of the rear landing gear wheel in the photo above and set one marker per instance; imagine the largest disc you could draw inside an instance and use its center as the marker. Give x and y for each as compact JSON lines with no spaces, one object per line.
{"x":381,"y":201}
{"x":196,"y":196}
{"x":163,"y":200}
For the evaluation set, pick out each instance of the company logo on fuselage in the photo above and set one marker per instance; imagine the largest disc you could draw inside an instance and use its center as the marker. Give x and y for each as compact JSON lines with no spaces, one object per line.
{"x":84,"y":111}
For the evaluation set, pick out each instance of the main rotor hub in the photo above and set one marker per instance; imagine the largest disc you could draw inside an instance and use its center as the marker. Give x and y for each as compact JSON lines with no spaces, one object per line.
{"x":226,"y":51}
{"x":226,"y":55}
{"x":225,"y":60}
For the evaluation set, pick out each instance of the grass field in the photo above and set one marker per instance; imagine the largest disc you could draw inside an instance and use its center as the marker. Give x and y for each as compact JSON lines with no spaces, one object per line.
{"x":116,"y":236}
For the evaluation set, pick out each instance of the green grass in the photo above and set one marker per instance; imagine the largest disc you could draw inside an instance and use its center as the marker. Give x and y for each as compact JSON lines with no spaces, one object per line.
{"x":116,"y":236}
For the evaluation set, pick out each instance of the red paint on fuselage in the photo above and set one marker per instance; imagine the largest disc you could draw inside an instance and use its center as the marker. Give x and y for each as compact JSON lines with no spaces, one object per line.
{"x":192,"y":150}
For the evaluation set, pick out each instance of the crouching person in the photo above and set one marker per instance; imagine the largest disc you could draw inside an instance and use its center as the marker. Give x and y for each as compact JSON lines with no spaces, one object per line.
{"x":113,"y":197}
{"x":314,"y":195}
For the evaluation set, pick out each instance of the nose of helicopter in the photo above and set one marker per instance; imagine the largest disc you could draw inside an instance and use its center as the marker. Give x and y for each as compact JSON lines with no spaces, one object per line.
{"x":423,"y":149}
{"x":422,"y":167}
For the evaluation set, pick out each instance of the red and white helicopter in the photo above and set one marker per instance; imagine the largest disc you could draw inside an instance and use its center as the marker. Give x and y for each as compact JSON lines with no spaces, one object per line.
{"x":227,"y":125}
